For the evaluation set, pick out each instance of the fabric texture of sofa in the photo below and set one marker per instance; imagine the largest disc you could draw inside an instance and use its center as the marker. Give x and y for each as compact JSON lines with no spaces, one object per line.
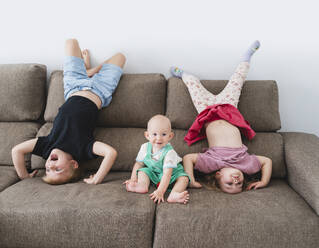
{"x":35,"y":214}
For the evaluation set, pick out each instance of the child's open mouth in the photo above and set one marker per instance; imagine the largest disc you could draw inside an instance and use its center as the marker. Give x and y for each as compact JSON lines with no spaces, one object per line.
{"x":54,"y":157}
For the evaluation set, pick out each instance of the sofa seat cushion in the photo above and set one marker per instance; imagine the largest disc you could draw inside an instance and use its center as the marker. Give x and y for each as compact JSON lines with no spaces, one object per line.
{"x":8,"y":176}
{"x":275,"y":216}
{"x":35,"y":214}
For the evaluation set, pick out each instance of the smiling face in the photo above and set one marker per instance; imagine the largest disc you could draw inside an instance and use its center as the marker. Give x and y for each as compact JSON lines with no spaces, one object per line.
{"x":230,"y":180}
{"x":59,"y":167}
{"x":159,"y":132}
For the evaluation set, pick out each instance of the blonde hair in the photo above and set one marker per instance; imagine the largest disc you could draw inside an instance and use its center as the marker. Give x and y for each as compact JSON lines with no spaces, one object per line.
{"x":74,"y":177}
{"x":209,"y":181}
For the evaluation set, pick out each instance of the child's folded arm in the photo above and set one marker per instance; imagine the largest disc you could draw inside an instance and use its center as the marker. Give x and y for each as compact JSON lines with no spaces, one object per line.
{"x":266,"y":169}
{"x":109,"y":154}
{"x":18,"y":153}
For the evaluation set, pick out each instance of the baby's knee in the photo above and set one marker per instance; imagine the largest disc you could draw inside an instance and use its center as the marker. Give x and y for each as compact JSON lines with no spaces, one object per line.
{"x":183,"y":179}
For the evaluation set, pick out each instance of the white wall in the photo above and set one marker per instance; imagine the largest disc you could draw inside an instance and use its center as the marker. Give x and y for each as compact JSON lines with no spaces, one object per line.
{"x":204,"y":37}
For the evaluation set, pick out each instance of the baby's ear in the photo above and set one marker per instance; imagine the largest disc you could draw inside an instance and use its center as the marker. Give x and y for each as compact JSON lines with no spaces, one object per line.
{"x":146,"y":134}
{"x":171,"y":135}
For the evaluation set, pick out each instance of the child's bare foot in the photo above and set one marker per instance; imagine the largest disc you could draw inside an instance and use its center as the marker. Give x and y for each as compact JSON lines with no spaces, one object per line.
{"x":177,"y":197}
{"x":86,"y":58}
{"x":194,"y":184}
{"x":136,"y":187}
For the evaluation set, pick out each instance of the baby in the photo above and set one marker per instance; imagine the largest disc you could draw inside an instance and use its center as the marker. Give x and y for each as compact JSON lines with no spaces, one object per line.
{"x":157,"y":162}
{"x":220,"y":121}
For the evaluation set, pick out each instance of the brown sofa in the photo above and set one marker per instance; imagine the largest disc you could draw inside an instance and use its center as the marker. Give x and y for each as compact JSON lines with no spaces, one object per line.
{"x":35,"y":214}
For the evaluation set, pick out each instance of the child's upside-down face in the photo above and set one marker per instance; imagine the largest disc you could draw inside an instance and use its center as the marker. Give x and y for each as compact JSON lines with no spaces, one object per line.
{"x":58,"y":166}
{"x":230,"y":180}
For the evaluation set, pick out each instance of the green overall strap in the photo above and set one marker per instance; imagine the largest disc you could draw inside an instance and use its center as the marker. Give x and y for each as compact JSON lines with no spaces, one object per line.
{"x":153,"y":164}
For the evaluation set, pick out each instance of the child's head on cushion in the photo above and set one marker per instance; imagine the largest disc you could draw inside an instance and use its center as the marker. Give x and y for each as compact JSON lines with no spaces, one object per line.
{"x":230,"y":180}
{"x":60,"y":168}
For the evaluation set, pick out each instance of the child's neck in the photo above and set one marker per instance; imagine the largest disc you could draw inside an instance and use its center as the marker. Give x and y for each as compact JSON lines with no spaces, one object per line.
{"x":156,"y":150}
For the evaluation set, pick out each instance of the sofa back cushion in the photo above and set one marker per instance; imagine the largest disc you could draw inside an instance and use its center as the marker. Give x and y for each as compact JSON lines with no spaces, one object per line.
{"x":13,"y":133}
{"x":137,"y":98}
{"x":22,"y":91}
{"x":258,"y":103}
{"x":127,"y":142}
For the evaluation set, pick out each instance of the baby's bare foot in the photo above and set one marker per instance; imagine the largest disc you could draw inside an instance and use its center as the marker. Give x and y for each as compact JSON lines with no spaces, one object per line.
{"x":195,"y":184}
{"x":86,"y":58}
{"x":136,"y":187}
{"x":177,"y":197}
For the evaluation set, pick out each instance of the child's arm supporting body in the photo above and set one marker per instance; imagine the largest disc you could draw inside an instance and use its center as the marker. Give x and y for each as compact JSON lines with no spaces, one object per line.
{"x":158,"y":194}
{"x":109,"y":154}
{"x":18,"y":152}
{"x":266,"y":169}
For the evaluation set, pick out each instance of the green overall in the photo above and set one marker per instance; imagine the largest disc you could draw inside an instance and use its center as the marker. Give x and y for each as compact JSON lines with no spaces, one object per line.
{"x":154,"y":169}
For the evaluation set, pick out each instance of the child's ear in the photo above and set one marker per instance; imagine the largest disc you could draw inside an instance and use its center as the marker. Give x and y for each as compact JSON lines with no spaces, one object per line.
{"x":171,"y":135}
{"x":218,"y":174}
{"x":146,"y":134}
{"x":74,"y":164}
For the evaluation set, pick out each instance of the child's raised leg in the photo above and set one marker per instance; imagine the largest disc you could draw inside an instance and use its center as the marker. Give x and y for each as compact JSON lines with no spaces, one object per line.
{"x":189,"y":161}
{"x":72,"y":48}
{"x":202,"y":98}
{"x":117,"y":59}
{"x":179,"y":193}
{"x":142,"y":184}
{"x":232,"y":91}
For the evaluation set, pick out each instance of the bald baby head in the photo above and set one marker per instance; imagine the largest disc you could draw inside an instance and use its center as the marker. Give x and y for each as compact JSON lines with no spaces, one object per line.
{"x":159,"y":120}
{"x":159,"y":131}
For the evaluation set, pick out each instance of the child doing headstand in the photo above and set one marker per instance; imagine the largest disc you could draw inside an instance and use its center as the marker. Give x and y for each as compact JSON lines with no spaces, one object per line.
{"x":157,"y":162}
{"x":220,"y":119}
{"x":86,"y":90}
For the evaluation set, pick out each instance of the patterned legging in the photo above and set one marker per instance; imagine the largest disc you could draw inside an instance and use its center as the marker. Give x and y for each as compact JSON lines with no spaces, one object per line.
{"x":202,"y":98}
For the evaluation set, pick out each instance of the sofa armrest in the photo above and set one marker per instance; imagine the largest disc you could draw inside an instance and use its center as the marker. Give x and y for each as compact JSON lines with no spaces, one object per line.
{"x":302,"y":160}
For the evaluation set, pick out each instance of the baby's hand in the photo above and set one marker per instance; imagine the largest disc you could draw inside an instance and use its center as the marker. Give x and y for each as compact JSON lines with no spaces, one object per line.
{"x":90,"y":180}
{"x":157,"y":196}
{"x":256,"y":185}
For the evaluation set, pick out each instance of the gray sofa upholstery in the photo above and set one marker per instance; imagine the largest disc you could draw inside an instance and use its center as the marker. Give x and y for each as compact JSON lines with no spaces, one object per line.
{"x":35,"y":214}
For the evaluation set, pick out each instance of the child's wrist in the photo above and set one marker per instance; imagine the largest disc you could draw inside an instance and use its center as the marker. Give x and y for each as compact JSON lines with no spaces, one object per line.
{"x":96,"y":180}
{"x":161,"y":191}
{"x":24,"y":176}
